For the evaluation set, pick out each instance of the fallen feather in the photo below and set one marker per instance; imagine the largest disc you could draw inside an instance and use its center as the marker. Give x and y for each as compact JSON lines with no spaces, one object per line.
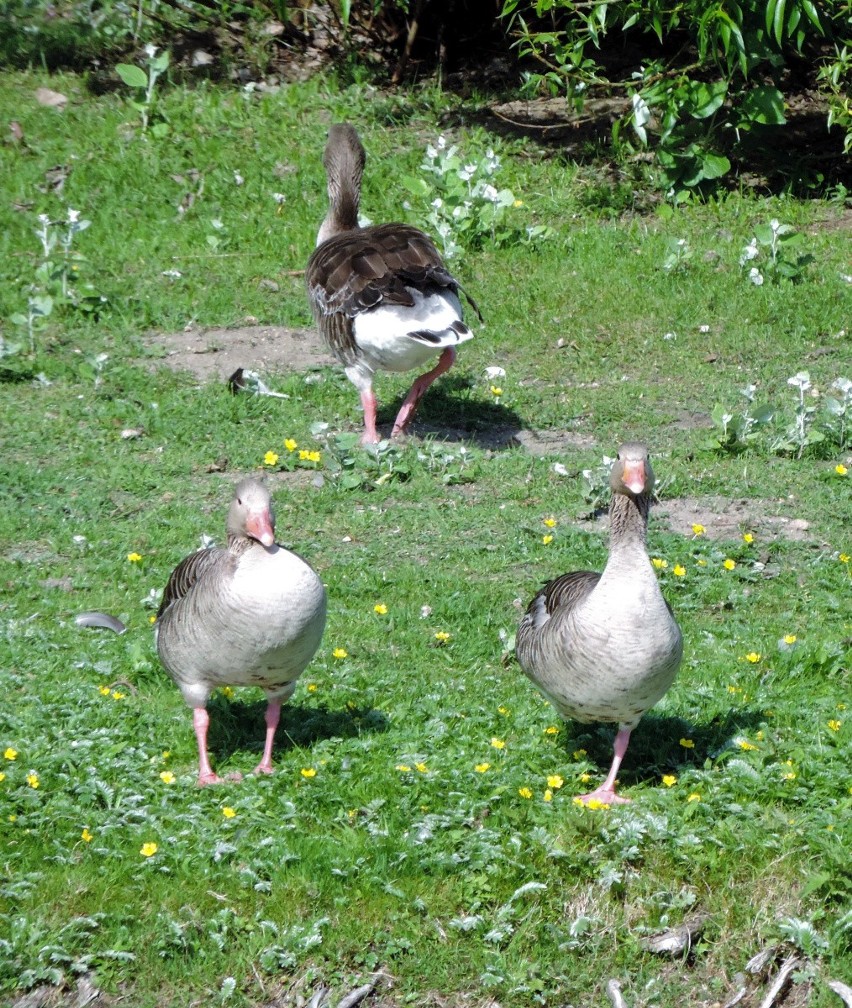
{"x":100,"y":619}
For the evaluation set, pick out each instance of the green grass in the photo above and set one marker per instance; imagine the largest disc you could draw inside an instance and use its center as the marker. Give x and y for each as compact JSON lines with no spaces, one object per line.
{"x":365,"y":867}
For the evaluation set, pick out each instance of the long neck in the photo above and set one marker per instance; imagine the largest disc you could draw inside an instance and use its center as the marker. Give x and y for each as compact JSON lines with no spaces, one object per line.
{"x":628,"y":524}
{"x":344,"y":196}
{"x":239,"y":544}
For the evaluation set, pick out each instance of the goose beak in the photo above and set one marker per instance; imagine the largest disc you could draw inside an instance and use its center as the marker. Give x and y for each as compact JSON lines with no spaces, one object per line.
{"x":635,"y":477}
{"x":259,"y":526}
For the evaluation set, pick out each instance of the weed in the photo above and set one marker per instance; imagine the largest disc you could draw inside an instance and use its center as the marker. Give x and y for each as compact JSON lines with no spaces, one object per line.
{"x":144,"y":83}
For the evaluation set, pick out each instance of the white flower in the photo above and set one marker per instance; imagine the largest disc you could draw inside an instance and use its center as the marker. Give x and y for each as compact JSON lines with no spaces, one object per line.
{"x":704,"y":328}
{"x":755,"y":276}
{"x":494,"y":372}
{"x":150,"y":51}
{"x":279,"y":197}
{"x":801,"y":380}
{"x":750,"y":252}
{"x":467,"y":172}
{"x":238,"y":179}
{"x":442,"y":142}
{"x":73,"y":216}
{"x":437,"y":203}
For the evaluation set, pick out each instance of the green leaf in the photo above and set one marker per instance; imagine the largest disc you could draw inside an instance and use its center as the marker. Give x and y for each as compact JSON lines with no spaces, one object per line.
{"x":133,"y":76}
{"x":764,"y":104}
{"x":714,"y":166}
{"x":705,"y":99}
{"x":161,"y":63}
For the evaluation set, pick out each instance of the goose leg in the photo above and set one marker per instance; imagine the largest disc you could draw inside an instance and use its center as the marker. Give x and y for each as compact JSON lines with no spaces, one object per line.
{"x":368,"y":403}
{"x":415,"y":394}
{"x":606,"y":792}
{"x":273,"y":714}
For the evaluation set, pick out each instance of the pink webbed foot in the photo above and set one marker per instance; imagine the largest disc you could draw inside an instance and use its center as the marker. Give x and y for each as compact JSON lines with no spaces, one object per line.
{"x":206,"y":779}
{"x":604,"y":796}
{"x":264,"y":768}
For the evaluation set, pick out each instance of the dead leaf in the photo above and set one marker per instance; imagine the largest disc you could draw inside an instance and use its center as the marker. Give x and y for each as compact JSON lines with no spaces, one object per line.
{"x":51,"y":99}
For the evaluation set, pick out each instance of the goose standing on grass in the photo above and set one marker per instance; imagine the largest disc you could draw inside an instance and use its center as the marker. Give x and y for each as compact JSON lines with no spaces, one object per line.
{"x":606,"y":647}
{"x":249,"y":614}
{"x":381,"y":296}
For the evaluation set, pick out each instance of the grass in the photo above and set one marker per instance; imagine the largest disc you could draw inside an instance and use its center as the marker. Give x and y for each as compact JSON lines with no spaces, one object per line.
{"x":442,"y":877}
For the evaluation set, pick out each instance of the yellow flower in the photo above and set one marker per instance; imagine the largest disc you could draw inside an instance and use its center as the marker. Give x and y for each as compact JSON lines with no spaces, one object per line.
{"x":308,"y":772}
{"x":555,"y":781}
{"x":548,"y":795}
{"x":585,"y":778}
{"x":524,"y":792}
{"x":152,"y":618}
{"x":117,"y":695}
{"x":227,"y":691}
{"x":339,"y":652}
{"x":748,"y":538}
{"x":595,"y":803}
{"x":421,"y":767}
{"x":790,"y":775}
{"x":841,"y":469}
{"x":495,"y":391}
{"x":134,"y":557}
{"x":834,"y":725}
{"x":148,"y":849}
{"x":695,"y":796}
{"x":735,"y":689}
{"x":678,"y":571}
{"x":312,"y":687}
{"x":698,"y":530}
{"x":166,"y":754}
{"x":579,"y":753}
{"x":687,"y":743}
{"x":549,"y":522}
{"x":402,"y":767}
{"x":12,"y":817}
{"x":32,"y":779}
{"x":290,"y":444}
{"x":790,"y":638}
{"x":481,"y":767}
{"x":841,"y":706}
{"x":10,"y":754}
{"x":753,"y":657}
{"x":759,"y":736}
{"x":503,"y":710}
{"x":843,"y":558}
{"x":2,"y":776}
{"x":167,"y":777}
{"x":659,"y":563}
{"x":229,"y":812}
{"x":745,"y":745}
{"x":551,"y":730}
{"x":669,"y":779}
{"x":701,"y":562}
{"x":441,"y":636}
{"x":498,"y":743}
{"x":518,"y":203}
{"x":547,"y":540}
{"x":86,"y":836}
{"x":104,"y":690}
{"x":270,"y":458}
{"x":381,"y":609}
{"x":309,"y":456}
{"x":729,"y":564}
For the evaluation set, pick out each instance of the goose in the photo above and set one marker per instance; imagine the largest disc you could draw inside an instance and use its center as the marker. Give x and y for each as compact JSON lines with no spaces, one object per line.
{"x":381,"y":296}
{"x":606,"y":647}
{"x":248,"y":614}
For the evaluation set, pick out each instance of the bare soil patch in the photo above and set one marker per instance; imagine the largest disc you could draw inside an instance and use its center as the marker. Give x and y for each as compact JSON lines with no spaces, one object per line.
{"x":215,"y":354}
{"x":727,"y":518}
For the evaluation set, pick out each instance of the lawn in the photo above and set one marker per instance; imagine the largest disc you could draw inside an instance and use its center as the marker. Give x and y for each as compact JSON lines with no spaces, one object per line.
{"x":419,"y":835}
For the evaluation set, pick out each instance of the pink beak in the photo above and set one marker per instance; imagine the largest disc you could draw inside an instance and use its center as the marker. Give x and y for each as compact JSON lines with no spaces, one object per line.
{"x":634,"y":476}
{"x":259,"y":526}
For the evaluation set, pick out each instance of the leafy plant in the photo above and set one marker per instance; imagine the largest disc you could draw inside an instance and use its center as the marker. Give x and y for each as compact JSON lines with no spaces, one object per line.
{"x":738,"y":431}
{"x":144,"y":83}
{"x":768,"y":254}
{"x":466,"y":209}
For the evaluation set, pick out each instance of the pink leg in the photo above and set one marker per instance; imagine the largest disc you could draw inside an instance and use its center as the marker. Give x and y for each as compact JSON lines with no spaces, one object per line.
{"x":273,"y":714}
{"x":415,"y":394}
{"x":368,"y":403}
{"x":606,"y":792}
{"x":200,"y":721}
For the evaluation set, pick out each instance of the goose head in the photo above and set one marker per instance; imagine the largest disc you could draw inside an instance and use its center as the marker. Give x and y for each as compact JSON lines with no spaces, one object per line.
{"x":632,"y":473}
{"x":250,"y":515}
{"x":344,"y":159}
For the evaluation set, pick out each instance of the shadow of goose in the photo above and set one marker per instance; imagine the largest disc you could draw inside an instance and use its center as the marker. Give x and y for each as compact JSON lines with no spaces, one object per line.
{"x":238,"y":725}
{"x":655,"y":747}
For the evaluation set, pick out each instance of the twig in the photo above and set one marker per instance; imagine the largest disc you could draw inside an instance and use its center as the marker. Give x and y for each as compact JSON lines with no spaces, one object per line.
{"x":779,"y":982}
{"x":842,"y":991}
{"x":413,"y":28}
{"x":572,"y":124}
{"x":318,"y":999}
{"x":735,"y":1000}
{"x":613,"y":989}
{"x":357,"y":996}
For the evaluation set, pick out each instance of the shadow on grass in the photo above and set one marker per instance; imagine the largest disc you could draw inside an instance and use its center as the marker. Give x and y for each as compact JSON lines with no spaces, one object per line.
{"x":655,"y":747}
{"x":453,"y":410}
{"x":236,"y":725}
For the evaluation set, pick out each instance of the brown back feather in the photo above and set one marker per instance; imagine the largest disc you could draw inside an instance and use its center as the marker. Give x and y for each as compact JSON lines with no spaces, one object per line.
{"x":566,"y":591}
{"x":198,"y":565}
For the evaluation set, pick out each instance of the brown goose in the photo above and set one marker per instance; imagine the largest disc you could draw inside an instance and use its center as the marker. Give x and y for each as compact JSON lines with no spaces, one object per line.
{"x":251,"y":614}
{"x":606,"y":647}
{"x":381,"y":295}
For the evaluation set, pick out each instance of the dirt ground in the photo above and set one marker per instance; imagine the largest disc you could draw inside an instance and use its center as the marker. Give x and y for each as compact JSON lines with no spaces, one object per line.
{"x":215,"y":354}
